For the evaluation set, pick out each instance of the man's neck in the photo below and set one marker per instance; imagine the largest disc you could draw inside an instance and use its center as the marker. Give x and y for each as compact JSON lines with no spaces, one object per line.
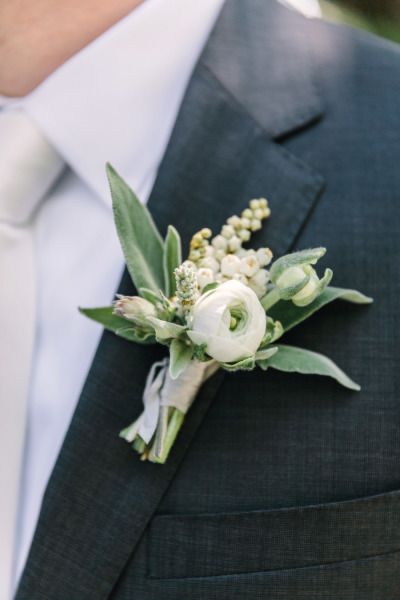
{"x":37,"y":37}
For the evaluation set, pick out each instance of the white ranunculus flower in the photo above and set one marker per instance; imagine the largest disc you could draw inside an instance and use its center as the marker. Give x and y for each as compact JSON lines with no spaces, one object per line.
{"x":229,"y":320}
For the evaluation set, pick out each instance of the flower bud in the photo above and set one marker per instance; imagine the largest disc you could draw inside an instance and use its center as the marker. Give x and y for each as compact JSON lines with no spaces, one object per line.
{"x":134,"y":308}
{"x":313,"y":288}
{"x":255,"y":224}
{"x":220,"y":254}
{"x":189,"y":264}
{"x":259,"y":213}
{"x":219,"y":242}
{"x":240,"y":277}
{"x":292,"y":272}
{"x":266,"y":212}
{"x":210,"y":263}
{"x":307,"y":294}
{"x":230,"y":265}
{"x":234,"y":221}
{"x":234,"y":243}
{"x":227,"y":231}
{"x":195,"y":255}
{"x":249,"y":265}
{"x":254,"y":204}
{"x":264,"y":256}
{"x":209,"y":251}
{"x":258,"y":282}
{"x":292,"y":278}
{"x":219,"y":278}
{"x":244,"y":235}
{"x":204,"y":276}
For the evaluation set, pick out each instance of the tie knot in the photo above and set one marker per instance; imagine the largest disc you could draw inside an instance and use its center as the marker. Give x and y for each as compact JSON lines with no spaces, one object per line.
{"x":29,"y":165}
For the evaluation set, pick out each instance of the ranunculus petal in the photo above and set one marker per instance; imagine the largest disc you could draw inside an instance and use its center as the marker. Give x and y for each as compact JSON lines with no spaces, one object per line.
{"x":211,"y":321}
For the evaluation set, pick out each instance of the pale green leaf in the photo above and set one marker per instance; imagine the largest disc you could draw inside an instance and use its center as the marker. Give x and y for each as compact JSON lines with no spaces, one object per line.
{"x":298,"y":360}
{"x":267,"y":353}
{"x":118,"y":325}
{"x":172,"y":259}
{"x":209,"y":287}
{"x":180,"y":355}
{"x":149,"y":295}
{"x":141,"y":242}
{"x":290,"y":315}
{"x":246,"y":364}
{"x":166,"y":330}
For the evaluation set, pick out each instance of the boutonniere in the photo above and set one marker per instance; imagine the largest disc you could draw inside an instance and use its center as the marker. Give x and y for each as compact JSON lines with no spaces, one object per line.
{"x":225,"y":307}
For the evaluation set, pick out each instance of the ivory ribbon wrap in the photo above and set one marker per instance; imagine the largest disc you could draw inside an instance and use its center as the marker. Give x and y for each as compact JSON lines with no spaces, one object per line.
{"x":162,"y":390}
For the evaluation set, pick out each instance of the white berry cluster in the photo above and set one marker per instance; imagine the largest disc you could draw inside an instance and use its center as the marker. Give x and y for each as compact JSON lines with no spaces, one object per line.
{"x":222,"y":258}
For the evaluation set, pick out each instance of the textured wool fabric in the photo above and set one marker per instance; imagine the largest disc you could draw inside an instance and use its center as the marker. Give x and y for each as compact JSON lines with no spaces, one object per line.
{"x":280,"y":487}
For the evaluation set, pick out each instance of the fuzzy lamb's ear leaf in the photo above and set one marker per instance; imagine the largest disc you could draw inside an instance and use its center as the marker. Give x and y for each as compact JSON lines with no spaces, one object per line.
{"x":149,"y":295}
{"x":165,"y":330}
{"x":246,"y":364}
{"x":172,"y":259}
{"x":298,"y":360}
{"x":263,"y":355}
{"x":290,"y":315}
{"x":140,"y":239}
{"x":118,"y":325}
{"x":180,"y":355}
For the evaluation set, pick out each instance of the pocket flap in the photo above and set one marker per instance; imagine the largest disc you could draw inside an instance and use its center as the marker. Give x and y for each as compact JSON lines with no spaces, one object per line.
{"x":231,"y":543}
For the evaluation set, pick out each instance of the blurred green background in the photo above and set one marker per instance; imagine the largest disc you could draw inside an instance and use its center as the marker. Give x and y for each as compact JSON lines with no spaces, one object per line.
{"x":381,"y":17}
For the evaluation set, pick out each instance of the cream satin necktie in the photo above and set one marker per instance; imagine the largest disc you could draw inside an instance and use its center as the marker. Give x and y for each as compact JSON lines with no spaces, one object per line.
{"x":28,"y":167}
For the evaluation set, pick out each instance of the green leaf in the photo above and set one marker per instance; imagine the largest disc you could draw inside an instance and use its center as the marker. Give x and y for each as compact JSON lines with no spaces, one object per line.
{"x":118,"y":325}
{"x":298,"y":360}
{"x":166,"y":330}
{"x":141,"y":242}
{"x":180,"y":355}
{"x":290,"y":315}
{"x":134,"y":334}
{"x":265,"y":354}
{"x":149,"y":295}
{"x":172,"y":259}
{"x":246,"y":364}
{"x":209,"y":286}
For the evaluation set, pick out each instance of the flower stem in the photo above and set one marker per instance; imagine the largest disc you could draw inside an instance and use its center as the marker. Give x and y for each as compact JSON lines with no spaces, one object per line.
{"x":174,"y":425}
{"x":270,"y":299}
{"x":161,"y":431}
{"x":139,"y":445}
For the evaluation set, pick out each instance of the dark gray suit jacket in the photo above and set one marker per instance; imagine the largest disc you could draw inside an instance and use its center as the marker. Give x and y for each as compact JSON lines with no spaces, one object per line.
{"x":280,"y":487}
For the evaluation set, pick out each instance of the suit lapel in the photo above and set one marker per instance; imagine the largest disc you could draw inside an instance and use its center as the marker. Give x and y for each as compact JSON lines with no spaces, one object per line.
{"x":100,"y":496}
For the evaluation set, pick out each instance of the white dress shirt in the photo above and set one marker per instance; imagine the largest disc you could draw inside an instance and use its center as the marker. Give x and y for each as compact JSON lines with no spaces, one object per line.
{"x":116,"y":100}
{"x":309,"y":8}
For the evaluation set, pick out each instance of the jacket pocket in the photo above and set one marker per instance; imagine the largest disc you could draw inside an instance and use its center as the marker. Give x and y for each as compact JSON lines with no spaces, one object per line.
{"x":207,"y":545}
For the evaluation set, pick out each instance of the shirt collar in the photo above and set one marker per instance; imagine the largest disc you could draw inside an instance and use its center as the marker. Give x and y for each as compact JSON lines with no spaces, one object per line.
{"x":117,"y":99}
